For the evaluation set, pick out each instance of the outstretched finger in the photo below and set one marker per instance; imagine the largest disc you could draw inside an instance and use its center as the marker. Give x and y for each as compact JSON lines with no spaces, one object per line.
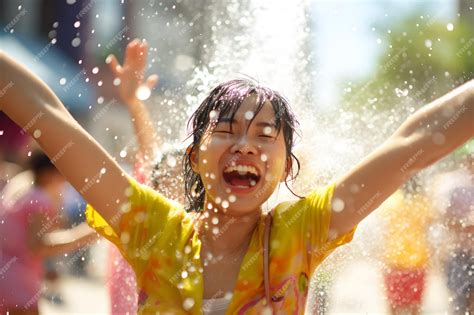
{"x":140,"y":54}
{"x":130,"y":52}
{"x":114,"y":65}
{"x":151,"y":81}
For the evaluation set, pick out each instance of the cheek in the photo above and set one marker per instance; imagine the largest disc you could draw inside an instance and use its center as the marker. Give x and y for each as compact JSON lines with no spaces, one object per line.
{"x":274,"y":154}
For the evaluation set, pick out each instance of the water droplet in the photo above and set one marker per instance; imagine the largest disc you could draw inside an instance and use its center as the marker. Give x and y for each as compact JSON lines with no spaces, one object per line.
{"x":215,"y":230}
{"x":379,"y":41}
{"x":143,"y":93}
{"x":248,"y":115}
{"x":400,"y":92}
{"x":70,"y":1}
{"x":1,"y":132}
{"x":439,"y":138}
{"x":203,"y":147}
{"x":215,"y":220}
{"x":218,"y":200}
{"x":264,"y":157}
{"x":213,"y":115}
{"x":428,"y":43}
{"x":187,"y":249}
{"x":100,"y":83}
{"x":188,"y":303}
{"x":62,"y":81}
{"x":125,"y":237}
{"x":103,"y":170}
{"x":76,"y":42}
{"x":232,"y":198}
{"x":225,"y":204}
{"x":372,"y":100}
{"x":37,"y":133}
{"x":77,"y":24}
{"x":55,"y":24}
{"x":337,"y":205}
{"x":354,"y":188}
{"x":450,"y":27}
{"x":184,"y":274}
{"x":117,"y":81}
{"x":171,"y":161}
{"x":267,"y":130}
{"x":29,"y":153}
{"x":100,"y":100}
{"x":95,"y":70}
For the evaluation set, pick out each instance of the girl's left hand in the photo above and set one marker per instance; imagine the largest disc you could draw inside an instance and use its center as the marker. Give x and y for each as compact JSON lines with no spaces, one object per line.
{"x":131,"y":73}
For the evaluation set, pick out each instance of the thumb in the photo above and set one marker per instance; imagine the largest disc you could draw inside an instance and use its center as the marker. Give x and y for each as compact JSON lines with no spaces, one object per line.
{"x":151,"y":81}
{"x":114,"y":65}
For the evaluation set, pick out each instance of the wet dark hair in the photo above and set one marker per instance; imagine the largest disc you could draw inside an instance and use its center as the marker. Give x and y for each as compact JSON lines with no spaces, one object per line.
{"x":225,"y":100}
{"x":161,"y":167}
{"x":39,"y":163}
{"x":412,"y":186}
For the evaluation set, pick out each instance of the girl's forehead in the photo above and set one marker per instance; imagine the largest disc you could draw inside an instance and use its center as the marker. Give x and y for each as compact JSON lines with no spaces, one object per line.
{"x":248,"y":110}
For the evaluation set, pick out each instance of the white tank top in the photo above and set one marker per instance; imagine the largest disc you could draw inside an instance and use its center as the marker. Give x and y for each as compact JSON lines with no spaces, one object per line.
{"x":215,"y":306}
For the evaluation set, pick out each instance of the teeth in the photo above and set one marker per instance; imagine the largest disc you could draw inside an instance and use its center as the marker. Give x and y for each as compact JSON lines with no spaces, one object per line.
{"x":242,"y":169}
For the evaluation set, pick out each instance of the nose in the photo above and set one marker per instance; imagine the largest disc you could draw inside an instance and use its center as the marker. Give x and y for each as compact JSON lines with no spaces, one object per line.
{"x":243,"y":146}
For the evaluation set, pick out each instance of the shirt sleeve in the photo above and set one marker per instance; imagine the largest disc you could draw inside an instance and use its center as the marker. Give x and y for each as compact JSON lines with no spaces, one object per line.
{"x":318,"y":218}
{"x":142,"y":222}
{"x":309,"y":219}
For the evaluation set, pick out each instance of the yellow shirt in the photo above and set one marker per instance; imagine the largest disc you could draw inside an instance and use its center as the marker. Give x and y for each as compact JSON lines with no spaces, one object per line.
{"x":158,"y":239}
{"x":406,"y":224}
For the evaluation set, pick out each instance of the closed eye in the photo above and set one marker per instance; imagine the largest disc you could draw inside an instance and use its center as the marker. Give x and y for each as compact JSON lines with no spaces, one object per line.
{"x":266,"y":136}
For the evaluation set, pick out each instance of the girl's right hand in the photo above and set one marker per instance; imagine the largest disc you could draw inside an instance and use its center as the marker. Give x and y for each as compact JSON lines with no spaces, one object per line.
{"x":131,"y":73}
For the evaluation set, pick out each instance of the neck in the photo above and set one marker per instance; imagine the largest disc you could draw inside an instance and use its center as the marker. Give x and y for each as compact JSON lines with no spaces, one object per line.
{"x":224,"y":233}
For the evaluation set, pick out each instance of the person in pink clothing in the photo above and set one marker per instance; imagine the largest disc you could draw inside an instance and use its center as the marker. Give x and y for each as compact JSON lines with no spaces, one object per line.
{"x":29,"y":233}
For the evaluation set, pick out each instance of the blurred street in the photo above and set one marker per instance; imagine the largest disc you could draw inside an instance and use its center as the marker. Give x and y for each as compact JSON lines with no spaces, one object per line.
{"x":357,"y":289}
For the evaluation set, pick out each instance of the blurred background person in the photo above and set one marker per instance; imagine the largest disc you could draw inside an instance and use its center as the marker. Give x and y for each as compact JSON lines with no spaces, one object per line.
{"x":406,"y":215}
{"x":459,"y":221}
{"x":28,"y":235}
{"x":156,"y":165}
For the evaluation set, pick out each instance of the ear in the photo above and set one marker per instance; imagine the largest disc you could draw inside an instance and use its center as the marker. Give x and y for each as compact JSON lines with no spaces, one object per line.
{"x":288,"y":166}
{"x":193,"y":157}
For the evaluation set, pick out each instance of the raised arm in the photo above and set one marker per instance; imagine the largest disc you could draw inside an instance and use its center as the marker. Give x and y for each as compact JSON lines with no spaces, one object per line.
{"x":33,"y":106}
{"x":425,"y":137}
{"x":130,"y":77}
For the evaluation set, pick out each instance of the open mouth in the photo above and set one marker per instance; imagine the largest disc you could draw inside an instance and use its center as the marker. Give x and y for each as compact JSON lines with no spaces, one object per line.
{"x":241,"y":176}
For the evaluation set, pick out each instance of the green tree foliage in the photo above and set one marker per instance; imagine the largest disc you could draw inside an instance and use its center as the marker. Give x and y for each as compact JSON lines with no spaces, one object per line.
{"x":423,"y":59}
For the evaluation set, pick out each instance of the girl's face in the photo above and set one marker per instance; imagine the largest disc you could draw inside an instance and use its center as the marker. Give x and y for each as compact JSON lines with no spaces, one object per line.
{"x":241,"y":163}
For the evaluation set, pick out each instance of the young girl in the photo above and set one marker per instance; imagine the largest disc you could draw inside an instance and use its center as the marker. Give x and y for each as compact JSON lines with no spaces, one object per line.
{"x":242,"y":149}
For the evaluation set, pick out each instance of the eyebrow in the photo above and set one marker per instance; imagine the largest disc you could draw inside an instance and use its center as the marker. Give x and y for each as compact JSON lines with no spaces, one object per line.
{"x":266,"y":124}
{"x":228,"y":120}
